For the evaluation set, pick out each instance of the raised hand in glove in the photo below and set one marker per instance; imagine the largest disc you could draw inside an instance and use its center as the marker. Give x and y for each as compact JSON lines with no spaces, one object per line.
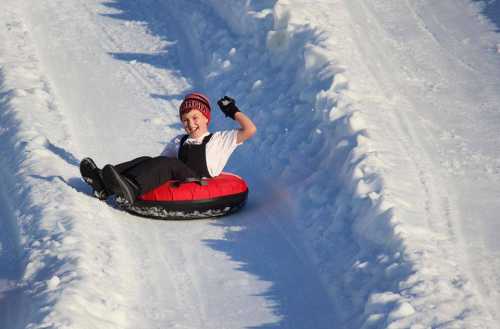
{"x":228,"y":106}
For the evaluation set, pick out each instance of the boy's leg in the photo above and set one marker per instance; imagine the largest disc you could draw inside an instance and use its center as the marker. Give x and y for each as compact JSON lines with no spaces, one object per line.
{"x":93,"y":175}
{"x":123,"y":167}
{"x":155,"y":171}
{"x":119,"y":184}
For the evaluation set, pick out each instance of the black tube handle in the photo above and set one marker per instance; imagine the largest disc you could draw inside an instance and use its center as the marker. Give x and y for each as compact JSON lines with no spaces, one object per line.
{"x":197,"y":180}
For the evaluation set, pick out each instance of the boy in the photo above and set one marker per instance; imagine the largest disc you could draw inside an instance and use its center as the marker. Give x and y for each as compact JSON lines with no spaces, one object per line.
{"x":195,"y":155}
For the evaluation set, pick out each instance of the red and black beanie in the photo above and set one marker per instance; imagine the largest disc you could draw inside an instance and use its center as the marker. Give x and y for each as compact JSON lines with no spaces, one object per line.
{"x":195,"y":101}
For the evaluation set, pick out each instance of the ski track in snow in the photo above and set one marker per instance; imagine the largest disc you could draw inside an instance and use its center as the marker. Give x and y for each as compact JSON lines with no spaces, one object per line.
{"x":376,"y":123}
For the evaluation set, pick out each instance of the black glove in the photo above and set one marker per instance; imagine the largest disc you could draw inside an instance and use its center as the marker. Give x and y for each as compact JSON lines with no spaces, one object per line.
{"x":228,"y":106}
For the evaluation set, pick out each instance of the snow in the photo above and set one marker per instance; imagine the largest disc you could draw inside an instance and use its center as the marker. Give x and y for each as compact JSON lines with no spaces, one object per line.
{"x":374,"y":177}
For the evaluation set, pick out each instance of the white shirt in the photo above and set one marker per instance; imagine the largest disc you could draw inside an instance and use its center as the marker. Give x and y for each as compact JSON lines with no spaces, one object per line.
{"x":218,"y":150}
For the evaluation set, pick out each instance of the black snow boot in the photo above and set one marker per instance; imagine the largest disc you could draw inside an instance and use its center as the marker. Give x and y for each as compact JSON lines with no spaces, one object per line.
{"x":120,"y":185}
{"x":92,"y":175}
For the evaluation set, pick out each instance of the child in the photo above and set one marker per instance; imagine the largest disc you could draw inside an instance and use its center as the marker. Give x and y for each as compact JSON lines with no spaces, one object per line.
{"x":194,"y":155}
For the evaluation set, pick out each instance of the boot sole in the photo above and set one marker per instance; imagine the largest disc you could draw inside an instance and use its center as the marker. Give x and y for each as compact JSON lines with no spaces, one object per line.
{"x":88,"y":170}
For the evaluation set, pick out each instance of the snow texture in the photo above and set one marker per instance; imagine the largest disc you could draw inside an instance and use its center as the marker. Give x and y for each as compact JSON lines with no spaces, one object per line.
{"x":374,"y":176}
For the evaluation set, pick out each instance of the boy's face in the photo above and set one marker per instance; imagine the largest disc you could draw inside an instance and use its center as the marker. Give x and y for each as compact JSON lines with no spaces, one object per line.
{"x":195,"y":123}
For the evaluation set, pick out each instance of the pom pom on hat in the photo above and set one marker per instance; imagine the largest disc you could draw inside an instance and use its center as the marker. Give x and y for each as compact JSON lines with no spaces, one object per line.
{"x":195,"y":101}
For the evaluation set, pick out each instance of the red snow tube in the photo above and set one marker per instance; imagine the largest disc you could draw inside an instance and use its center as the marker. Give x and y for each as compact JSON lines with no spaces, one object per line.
{"x":208,"y":197}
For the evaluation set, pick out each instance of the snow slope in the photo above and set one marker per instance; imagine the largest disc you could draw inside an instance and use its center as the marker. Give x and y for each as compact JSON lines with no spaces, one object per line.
{"x":378,"y":122}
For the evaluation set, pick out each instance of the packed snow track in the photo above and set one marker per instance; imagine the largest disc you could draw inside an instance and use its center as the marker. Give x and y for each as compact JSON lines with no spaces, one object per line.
{"x":374,"y":176}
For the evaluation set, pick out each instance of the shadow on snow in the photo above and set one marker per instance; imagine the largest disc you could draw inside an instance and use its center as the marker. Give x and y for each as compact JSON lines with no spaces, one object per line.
{"x":296,"y":294}
{"x":265,"y":237}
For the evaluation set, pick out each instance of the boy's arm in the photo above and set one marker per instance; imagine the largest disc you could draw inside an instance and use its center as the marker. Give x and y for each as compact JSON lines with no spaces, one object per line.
{"x":247,"y":127}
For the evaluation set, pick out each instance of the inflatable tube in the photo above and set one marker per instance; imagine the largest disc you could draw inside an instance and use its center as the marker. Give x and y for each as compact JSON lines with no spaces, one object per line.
{"x":211,"y":197}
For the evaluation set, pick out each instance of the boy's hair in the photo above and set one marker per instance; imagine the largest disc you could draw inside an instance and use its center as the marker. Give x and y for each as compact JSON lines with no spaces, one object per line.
{"x":195,"y":101}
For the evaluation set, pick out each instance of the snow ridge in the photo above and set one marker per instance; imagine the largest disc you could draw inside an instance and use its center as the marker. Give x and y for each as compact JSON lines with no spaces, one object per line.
{"x":375,"y":260}
{"x":43,"y":240}
{"x":310,"y":129}
{"x":24,"y":98}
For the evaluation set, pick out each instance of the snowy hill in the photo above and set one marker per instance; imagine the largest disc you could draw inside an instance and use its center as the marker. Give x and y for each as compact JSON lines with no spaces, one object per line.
{"x":374,"y":177}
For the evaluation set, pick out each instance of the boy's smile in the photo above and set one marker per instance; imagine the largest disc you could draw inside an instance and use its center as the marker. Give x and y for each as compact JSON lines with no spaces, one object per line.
{"x":195,"y":123}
